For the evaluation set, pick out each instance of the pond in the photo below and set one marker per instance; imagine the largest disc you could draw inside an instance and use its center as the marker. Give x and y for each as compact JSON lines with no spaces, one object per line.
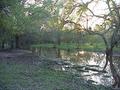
{"x":87,"y":65}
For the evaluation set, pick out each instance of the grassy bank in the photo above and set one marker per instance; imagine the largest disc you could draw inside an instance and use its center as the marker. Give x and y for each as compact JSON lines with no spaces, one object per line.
{"x":38,"y":75}
{"x":86,"y":46}
{"x":71,"y":46}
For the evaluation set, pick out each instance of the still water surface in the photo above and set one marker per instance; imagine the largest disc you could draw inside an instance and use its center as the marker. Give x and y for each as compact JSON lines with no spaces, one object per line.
{"x":87,"y":65}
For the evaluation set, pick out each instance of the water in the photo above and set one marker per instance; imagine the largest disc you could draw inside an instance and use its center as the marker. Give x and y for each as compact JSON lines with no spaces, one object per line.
{"x":87,"y":65}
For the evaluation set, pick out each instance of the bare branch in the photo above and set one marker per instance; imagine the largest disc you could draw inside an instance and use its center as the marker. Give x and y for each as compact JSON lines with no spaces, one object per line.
{"x":90,"y":31}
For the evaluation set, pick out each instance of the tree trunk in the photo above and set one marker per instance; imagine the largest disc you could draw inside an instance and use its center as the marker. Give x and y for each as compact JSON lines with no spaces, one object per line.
{"x":107,"y":58}
{"x":2,"y":45}
{"x":11,"y":44}
{"x":58,"y":53}
{"x":116,"y":77}
{"x":17,"y":41}
{"x":59,"y":40}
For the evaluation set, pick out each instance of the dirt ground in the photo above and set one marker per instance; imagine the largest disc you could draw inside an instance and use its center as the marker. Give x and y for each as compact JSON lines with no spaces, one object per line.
{"x":13,"y":53}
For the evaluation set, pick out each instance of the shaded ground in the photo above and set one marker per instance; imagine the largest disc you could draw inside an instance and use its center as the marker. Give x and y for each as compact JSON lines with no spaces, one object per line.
{"x":13,"y":53}
{"x":22,"y":70}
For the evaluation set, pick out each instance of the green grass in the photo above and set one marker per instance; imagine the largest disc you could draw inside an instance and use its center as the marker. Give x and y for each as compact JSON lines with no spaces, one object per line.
{"x":32,"y":77}
{"x":67,"y":46}
{"x":43,"y":46}
{"x":24,"y":76}
{"x":72,"y":46}
{"x":93,"y":47}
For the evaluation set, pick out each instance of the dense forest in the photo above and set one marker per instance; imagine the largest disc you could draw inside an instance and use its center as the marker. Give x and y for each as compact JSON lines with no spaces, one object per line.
{"x":85,"y":25}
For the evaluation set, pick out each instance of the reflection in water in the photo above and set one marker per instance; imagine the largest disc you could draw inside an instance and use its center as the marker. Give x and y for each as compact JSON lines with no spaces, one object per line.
{"x":85,"y":64}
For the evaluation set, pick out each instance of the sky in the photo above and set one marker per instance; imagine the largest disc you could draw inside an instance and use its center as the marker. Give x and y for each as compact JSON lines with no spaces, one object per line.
{"x":30,"y":1}
{"x":98,"y":9}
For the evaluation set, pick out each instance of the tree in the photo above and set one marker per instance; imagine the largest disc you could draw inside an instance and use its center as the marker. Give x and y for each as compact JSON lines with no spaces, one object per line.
{"x":108,"y":30}
{"x":5,"y":23}
{"x":18,"y":19}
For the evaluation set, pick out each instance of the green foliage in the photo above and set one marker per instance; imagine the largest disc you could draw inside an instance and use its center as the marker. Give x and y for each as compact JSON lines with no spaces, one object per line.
{"x":82,"y":9}
{"x":16,"y":19}
{"x":45,"y":22}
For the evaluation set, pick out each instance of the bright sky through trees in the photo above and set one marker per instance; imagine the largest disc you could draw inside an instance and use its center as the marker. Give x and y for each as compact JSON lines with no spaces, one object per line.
{"x":99,"y":7}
